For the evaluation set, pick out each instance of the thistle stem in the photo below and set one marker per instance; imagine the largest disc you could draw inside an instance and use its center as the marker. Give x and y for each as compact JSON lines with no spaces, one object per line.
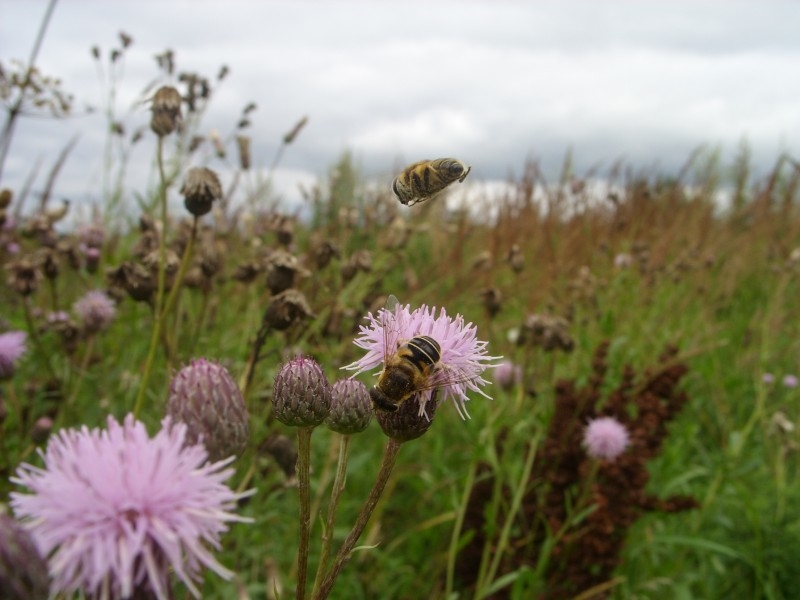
{"x":162,"y":253}
{"x":387,"y":464}
{"x":336,"y":493}
{"x":304,"y":490}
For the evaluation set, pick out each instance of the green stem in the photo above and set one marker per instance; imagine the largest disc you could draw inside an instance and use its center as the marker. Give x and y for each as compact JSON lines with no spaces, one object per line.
{"x":387,"y":464}
{"x":37,"y":341}
{"x":453,"y":553}
{"x":336,"y":493}
{"x":162,"y":252}
{"x":519,"y":494}
{"x":304,"y":490}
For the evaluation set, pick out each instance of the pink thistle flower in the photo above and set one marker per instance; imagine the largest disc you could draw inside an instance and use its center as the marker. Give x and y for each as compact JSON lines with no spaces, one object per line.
{"x":12,"y":347}
{"x":463,"y":357}
{"x":507,"y":375}
{"x":95,"y":310}
{"x":605,"y":438}
{"x":116,"y":511}
{"x":790,"y":381}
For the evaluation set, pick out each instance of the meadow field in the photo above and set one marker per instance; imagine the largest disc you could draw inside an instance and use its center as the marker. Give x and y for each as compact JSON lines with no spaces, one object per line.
{"x":652,"y":304}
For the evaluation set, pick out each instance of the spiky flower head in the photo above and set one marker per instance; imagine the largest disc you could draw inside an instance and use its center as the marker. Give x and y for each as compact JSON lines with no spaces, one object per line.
{"x":351,"y":407}
{"x":605,"y":437}
{"x":12,"y":347}
{"x":23,"y":571}
{"x":407,"y":422}
{"x":95,"y":310}
{"x":116,"y":511}
{"x":463,"y":357}
{"x":301,"y":396}
{"x":205,"y":397}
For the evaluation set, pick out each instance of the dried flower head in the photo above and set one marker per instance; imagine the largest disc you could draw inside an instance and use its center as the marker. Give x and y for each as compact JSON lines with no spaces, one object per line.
{"x":12,"y":347}
{"x":23,"y":571}
{"x":548,"y":332}
{"x":301,"y":396}
{"x":200,"y":189}
{"x":282,"y":268}
{"x":290,"y":137}
{"x":95,"y":310}
{"x":351,"y":407}
{"x":117,"y":511}
{"x":205,"y":397}
{"x":463,"y":357}
{"x":287,"y":308}
{"x":166,"y":109}
{"x":516,"y":258}
{"x":135,"y":279}
{"x":606,"y":438}
{"x":243,"y":142}
{"x":24,"y":275}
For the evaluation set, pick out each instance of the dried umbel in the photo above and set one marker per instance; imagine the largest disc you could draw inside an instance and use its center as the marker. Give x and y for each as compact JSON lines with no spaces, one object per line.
{"x":205,"y":397}
{"x":166,"y":108}
{"x":200,"y":189}
{"x":286,"y":309}
{"x":351,"y":407}
{"x":301,"y":396}
{"x":547,"y":332}
{"x":23,"y":571}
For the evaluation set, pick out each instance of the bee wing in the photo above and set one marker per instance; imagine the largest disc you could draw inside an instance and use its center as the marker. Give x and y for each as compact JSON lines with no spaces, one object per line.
{"x":391,"y":329}
{"x":447,"y":375}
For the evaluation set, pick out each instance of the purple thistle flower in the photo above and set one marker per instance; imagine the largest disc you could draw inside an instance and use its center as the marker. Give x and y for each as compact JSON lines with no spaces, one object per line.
{"x":605,"y":438}
{"x":790,"y":381}
{"x":12,"y":347}
{"x":768,"y":378}
{"x":507,"y":375}
{"x":95,"y":310}
{"x":463,"y":357}
{"x":116,"y":511}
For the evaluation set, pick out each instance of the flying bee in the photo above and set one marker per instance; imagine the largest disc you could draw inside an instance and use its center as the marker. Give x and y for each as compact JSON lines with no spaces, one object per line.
{"x":427,"y":179}
{"x":409,"y":367}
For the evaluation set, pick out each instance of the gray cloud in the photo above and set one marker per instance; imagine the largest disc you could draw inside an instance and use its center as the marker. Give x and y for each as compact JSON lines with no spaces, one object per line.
{"x":492,"y":83}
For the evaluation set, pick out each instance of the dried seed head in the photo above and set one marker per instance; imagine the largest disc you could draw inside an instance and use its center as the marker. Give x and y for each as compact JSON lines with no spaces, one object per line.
{"x":135,"y":279}
{"x":166,"y":110}
{"x":351,"y":407}
{"x":23,"y":571}
{"x":205,"y":397}
{"x":407,"y":422}
{"x":361,"y":260}
{"x":324,"y":252}
{"x":243,"y":143}
{"x":200,"y":188}
{"x":247,"y":272}
{"x":516,"y":259}
{"x":289,"y":137}
{"x":282,"y":269}
{"x":492,"y":300}
{"x":284,"y":231}
{"x":301,"y":396}
{"x":5,"y":197}
{"x":24,"y":276}
{"x":546,"y":331}
{"x":287,"y":308}
{"x":172,"y":262}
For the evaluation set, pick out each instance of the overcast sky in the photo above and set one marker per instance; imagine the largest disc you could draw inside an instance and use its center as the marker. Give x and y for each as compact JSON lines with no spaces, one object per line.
{"x":491,"y":83}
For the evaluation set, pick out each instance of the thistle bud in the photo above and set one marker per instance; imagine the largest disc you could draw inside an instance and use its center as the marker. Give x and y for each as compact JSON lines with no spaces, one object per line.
{"x":407,"y":422}
{"x":204,"y":396}
{"x":166,"y":111}
{"x":301,"y":396}
{"x":23,"y":571}
{"x":351,"y":407}
{"x":200,"y":188}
